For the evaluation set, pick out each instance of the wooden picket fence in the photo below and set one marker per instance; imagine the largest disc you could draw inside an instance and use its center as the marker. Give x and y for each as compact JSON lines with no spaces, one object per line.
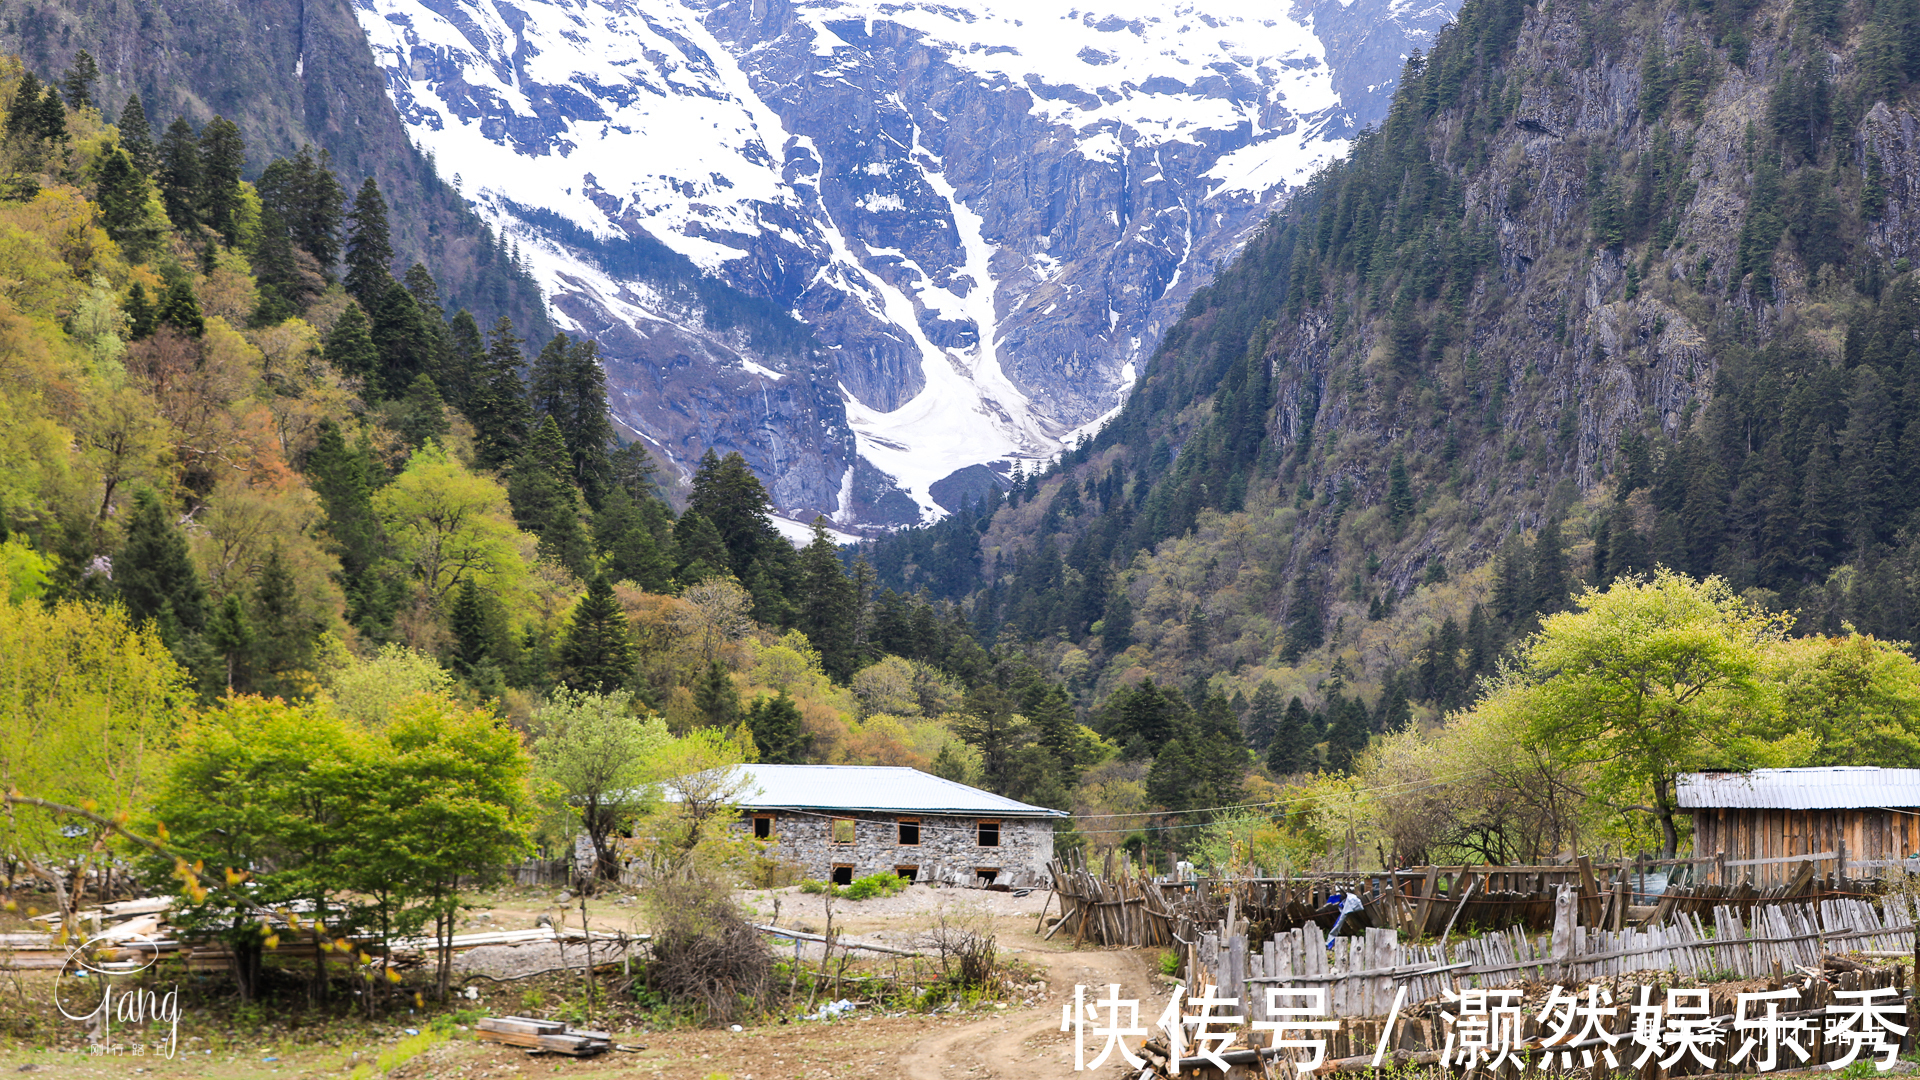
{"x":1363,"y":972}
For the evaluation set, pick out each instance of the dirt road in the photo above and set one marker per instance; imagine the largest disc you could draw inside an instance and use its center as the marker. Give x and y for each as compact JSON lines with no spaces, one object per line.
{"x":1027,"y":1042}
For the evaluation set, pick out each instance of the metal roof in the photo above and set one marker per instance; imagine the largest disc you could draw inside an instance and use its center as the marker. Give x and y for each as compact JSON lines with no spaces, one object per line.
{"x":1840,"y":787}
{"x":880,"y":788}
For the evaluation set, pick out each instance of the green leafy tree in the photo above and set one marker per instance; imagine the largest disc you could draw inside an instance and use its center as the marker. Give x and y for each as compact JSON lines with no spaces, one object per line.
{"x":595,"y":753}
{"x":449,"y":524}
{"x":1645,"y":681}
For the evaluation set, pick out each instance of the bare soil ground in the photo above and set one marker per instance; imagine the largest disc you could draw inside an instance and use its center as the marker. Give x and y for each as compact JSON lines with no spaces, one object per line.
{"x":1015,"y":1038}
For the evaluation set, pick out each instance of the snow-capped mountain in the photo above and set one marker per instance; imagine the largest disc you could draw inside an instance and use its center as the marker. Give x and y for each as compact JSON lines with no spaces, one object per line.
{"x":876,"y":245}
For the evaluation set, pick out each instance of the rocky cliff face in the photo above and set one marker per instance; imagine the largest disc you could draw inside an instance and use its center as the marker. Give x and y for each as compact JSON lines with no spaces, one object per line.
{"x":921,"y":237}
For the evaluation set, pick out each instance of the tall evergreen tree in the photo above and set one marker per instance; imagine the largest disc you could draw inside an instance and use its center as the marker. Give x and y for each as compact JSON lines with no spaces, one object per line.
{"x":223,"y":157}
{"x":498,"y":407}
{"x":369,"y":246}
{"x":728,"y":494}
{"x":632,"y":550}
{"x":1292,"y":748}
{"x":136,"y":137}
{"x":349,"y":347}
{"x":180,"y":175}
{"x":1264,"y":716}
{"x":1400,"y":501}
{"x":421,"y":415}
{"x":285,"y":636}
{"x":466,"y":360}
{"x":778,"y":732}
{"x":546,"y":503}
{"x":1552,"y":579}
{"x":702,"y":553}
{"x":121,"y":193}
{"x":716,"y":697}
{"x":402,"y":336}
{"x":154,"y":572}
{"x":598,"y":654}
{"x":824,"y":603}
{"x":77,"y":84}
{"x":568,"y":384}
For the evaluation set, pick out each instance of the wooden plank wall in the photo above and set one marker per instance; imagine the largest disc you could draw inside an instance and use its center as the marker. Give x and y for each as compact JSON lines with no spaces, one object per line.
{"x":1867,"y":835}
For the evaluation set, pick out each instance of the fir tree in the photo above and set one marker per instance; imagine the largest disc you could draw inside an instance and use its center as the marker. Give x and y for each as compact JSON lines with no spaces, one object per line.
{"x":180,"y":309}
{"x":421,"y":415}
{"x":121,"y":193}
{"x":778,"y":732}
{"x":466,"y":360}
{"x":154,"y":572}
{"x":369,"y":246}
{"x":180,"y":176}
{"x":285,"y":637}
{"x":349,"y":347}
{"x":223,"y":156}
{"x":727,"y":493}
{"x":545,"y":502}
{"x":632,"y":552}
{"x":568,"y":384}
{"x":141,"y":317}
{"x":598,"y":653}
{"x":703,"y":554}
{"x":80,"y":79}
{"x":402,"y":337}
{"x":1292,"y":748}
{"x":474,"y":639}
{"x":1265,"y":714}
{"x":1552,"y":581}
{"x":230,"y":638}
{"x":1400,"y":502}
{"x":498,"y":407}
{"x":716,"y":697}
{"x":136,"y":137}
{"x":824,"y":603}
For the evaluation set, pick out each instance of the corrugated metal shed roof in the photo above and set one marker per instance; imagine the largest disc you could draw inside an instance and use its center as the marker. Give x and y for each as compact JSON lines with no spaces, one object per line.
{"x":1828,"y":788}
{"x":879,"y":788}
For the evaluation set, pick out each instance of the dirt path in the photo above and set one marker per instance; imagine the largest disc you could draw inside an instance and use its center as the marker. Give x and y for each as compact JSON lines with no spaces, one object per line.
{"x":1027,"y":1042}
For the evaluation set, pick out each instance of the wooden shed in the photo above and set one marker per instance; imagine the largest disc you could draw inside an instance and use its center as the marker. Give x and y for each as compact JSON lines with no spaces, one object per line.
{"x":1852,"y":815}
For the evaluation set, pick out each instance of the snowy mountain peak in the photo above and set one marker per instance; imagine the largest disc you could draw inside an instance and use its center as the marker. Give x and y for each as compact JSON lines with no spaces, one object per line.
{"x":873,"y":244}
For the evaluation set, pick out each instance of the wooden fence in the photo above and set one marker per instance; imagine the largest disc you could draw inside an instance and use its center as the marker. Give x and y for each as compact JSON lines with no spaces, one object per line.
{"x":1362,"y":973}
{"x":1423,"y":902}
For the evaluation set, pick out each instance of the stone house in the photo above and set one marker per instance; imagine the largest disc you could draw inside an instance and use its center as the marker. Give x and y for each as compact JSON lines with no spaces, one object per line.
{"x":840,"y":822}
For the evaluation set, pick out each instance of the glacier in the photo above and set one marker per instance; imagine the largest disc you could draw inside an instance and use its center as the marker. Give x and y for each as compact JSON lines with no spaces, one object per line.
{"x":920,"y":236}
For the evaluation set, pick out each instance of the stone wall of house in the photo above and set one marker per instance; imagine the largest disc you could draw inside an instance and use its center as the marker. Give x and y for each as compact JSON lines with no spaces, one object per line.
{"x":949,"y":851}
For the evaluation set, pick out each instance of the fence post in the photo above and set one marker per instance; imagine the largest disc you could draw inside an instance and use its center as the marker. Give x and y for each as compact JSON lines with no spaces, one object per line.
{"x":1566,"y":916}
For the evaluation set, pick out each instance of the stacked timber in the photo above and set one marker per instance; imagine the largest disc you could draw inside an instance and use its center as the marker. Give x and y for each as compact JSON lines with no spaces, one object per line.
{"x":543,"y":1036}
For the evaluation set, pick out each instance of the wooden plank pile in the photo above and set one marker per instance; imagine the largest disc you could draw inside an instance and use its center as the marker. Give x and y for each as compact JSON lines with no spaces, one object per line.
{"x":543,"y":1036}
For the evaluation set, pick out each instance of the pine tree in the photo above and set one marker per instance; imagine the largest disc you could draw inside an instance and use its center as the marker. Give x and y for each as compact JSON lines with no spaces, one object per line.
{"x":401,"y":334}
{"x":474,"y":639}
{"x":180,"y":176}
{"x":716,"y":697}
{"x":598,"y":653}
{"x":369,"y":246}
{"x":223,"y":156}
{"x":23,"y":120}
{"x":276,"y":269}
{"x":121,"y":193}
{"x":80,"y":79}
{"x":545,"y":502}
{"x":141,"y":317}
{"x":1264,"y":717}
{"x":342,"y":477}
{"x":154,"y":572}
{"x":285,"y":637}
{"x":498,"y":407}
{"x":466,"y":360}
{"x":1292,"y":748}
{"x":631,"y":551}
{"x":568,"y":384}
{"x":230,"y":638}
{"x":349,"y":346}
{"x":421,"y":415}
{"x":1349,"y":734}
{"x":1306,"y":630}
{"x":825,"y":604}
{"x":727,"y":493}
{"x":180,"y":309}
{"x":1400,"y":502}
{"x":1552,"y":580}
{"x":703,"y":554}
{"x":136,"y":137}
{"x":778,"y":732}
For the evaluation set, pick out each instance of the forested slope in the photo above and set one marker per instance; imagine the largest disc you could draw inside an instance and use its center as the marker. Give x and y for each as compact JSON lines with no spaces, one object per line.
{"x":287,"y":73}
{"x":1616,"y":284}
